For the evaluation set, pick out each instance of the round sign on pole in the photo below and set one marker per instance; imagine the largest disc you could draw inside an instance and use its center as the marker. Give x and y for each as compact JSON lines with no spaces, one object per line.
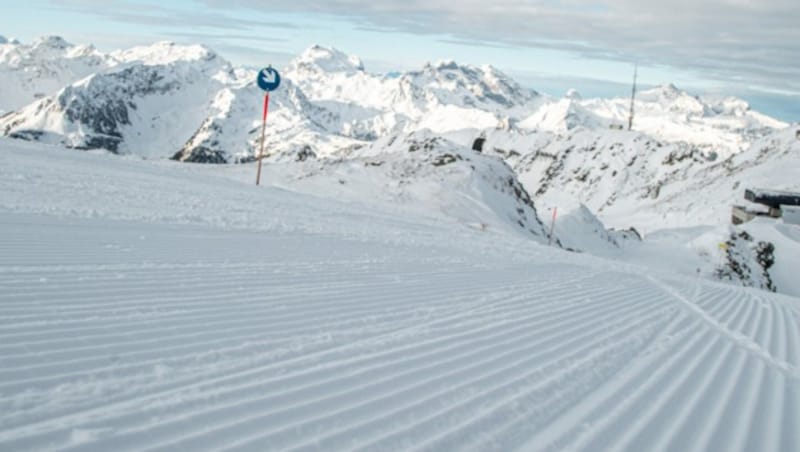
{"x":268,"y":79}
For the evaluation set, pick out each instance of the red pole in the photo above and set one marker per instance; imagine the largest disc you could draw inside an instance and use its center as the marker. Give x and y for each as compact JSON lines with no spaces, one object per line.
{"x":553,"y":224}
{"x":263,"y":130}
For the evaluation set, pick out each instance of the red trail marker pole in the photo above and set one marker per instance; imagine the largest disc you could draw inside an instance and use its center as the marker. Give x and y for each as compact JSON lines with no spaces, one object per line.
{"x":263,"y":131}
{"x":553,"y":224}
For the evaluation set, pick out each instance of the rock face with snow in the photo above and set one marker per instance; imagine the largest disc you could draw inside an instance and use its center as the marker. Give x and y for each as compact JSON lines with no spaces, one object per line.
{"x":180,"y":101}
{"x":633,"y":179}
{"x":141,"y":107}
{"x":484,"y":88}
{"x":231,"y":130}
{"x":748,"y":262}
{"x":424,"y":172}
{"x":441,"y":97}
{"x":670,"y":114}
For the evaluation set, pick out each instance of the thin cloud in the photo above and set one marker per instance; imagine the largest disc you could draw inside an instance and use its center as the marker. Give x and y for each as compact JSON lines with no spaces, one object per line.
{"x":746,"y":41}
{"x":227,"y":36}
{"x":164,"y":16}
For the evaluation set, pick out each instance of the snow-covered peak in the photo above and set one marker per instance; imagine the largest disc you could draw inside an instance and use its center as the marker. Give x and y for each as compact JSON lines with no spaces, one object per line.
{"x":51,"y":42}
{"x":5,"y":40}
{"x":460,"y":85}
{"x":573,"y":94}
{"x":727,"y":105}
{"x":664,"y":91}
{"x":318,"y":58}
{"x":165,"y":52}
{"x":484,"y":73}
{"x":83,"y":51}
{"x":44,"y":51}
{"x":673,"y":99}
{"x":442,"y":65}
{"x":664,"y":94}
{"x":32,"y":71}
{"x":563,"y":115}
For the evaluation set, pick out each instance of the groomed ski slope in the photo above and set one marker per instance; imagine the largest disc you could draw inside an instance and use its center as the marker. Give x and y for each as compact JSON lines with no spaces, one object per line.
{"x":157,"y":306}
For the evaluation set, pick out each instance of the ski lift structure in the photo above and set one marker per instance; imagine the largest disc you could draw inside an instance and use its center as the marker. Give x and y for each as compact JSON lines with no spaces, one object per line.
{"x":767,"y":203}
{"x":632,"y":111}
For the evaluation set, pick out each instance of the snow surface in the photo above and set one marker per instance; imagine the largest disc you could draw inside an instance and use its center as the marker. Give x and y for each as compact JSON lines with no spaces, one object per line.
{"x":152,"y":305}
{"x":791,"y":215}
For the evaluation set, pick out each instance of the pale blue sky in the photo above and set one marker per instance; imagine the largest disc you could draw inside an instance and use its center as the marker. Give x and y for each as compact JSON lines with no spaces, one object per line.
{"x":751,"y":51}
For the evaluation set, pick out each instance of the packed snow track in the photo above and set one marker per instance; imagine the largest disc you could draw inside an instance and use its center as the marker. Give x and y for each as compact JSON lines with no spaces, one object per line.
{"x":157,"y":334}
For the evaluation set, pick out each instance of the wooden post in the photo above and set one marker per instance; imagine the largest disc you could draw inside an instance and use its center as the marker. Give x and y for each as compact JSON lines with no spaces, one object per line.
{"x":553,"y":224}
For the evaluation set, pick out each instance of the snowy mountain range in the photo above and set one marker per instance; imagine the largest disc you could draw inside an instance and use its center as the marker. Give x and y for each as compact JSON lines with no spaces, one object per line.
{"x":164,"y":99}
{"x":486,"y":149}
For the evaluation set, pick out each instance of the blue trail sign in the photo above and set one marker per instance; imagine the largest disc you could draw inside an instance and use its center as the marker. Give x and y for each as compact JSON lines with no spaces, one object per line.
{"x":268,"y":79}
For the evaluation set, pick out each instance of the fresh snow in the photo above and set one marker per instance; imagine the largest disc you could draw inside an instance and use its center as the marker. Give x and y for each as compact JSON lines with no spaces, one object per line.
{"x":153,"y":305}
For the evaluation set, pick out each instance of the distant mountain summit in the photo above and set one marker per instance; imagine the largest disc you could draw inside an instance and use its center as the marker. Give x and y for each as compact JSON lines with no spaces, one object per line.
{"x":166,"y":52}
{"x":325,"y":59}
{"x":33,"y":71}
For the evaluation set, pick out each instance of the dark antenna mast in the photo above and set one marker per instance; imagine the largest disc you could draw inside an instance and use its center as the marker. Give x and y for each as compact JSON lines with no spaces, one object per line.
{"x":633,"y":96}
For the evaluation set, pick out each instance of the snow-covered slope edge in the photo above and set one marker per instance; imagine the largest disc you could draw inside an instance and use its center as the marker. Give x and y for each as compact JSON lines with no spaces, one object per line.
{"x":424,"y":174}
